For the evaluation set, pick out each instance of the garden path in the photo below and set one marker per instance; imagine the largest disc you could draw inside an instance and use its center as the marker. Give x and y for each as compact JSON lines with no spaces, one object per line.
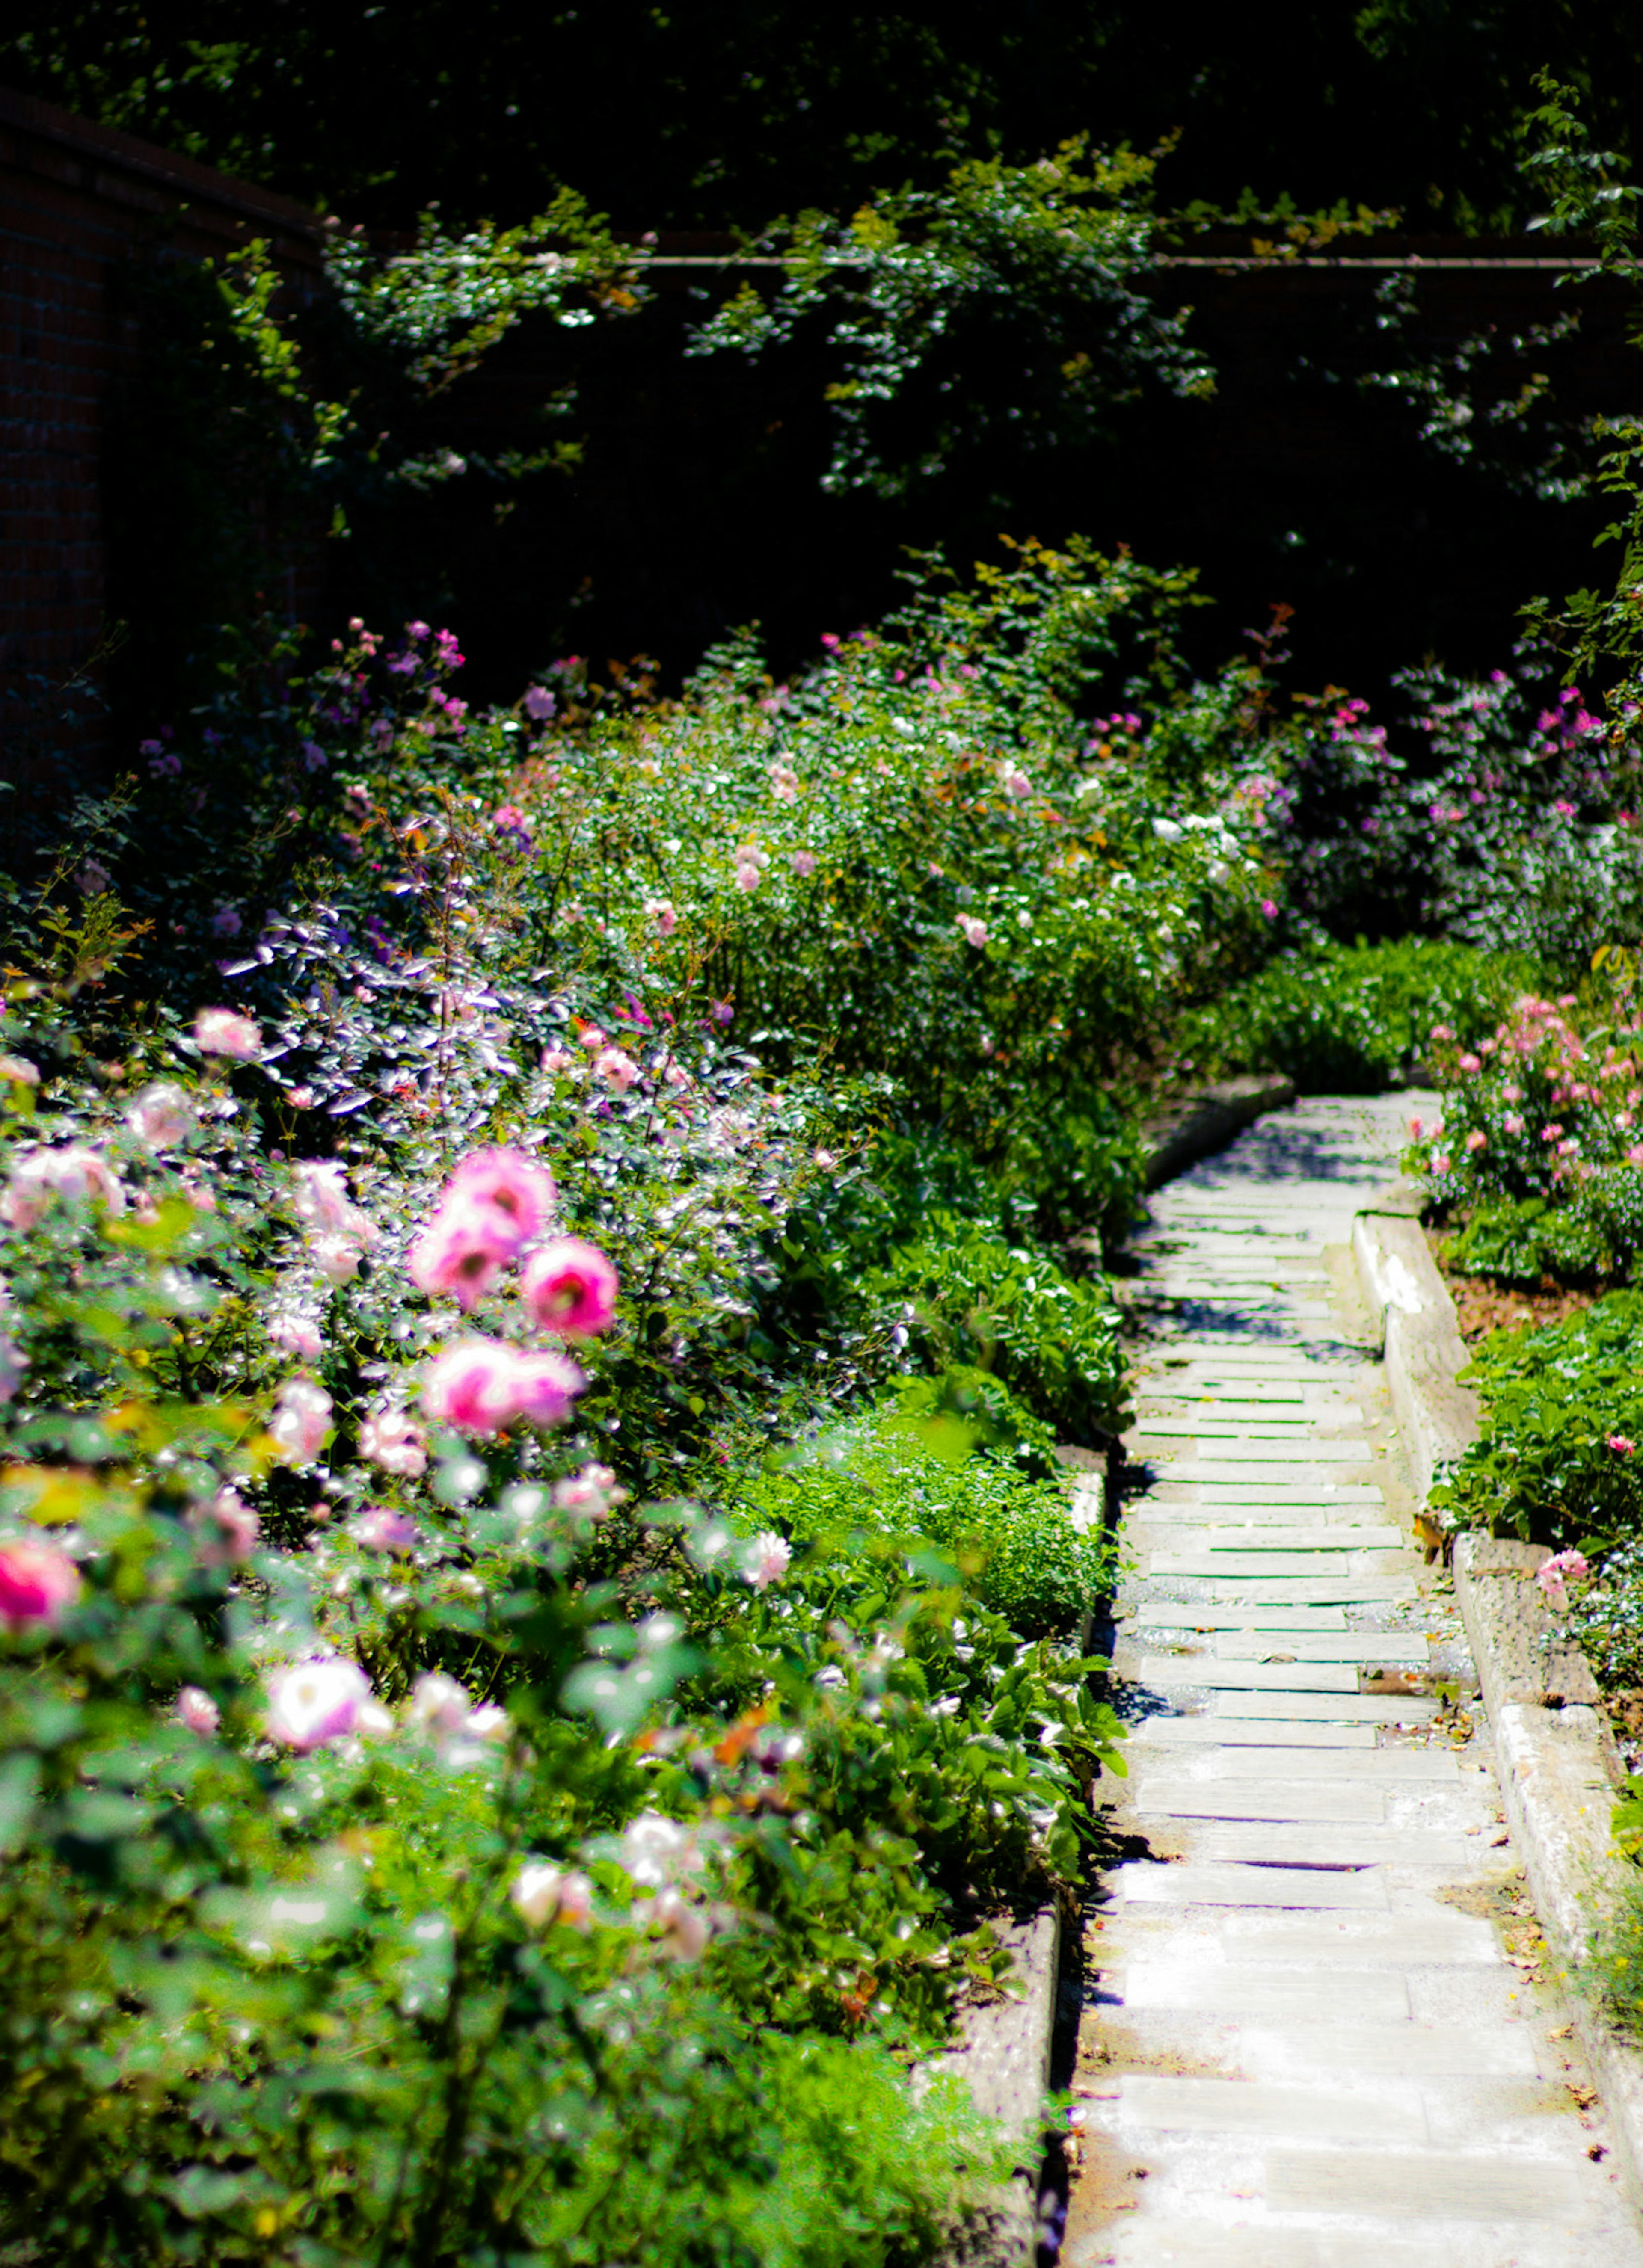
{"x":1314,"y":2034}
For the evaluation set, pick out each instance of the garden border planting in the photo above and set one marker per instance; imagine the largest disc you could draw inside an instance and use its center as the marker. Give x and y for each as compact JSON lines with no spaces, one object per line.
{"x":1557,"y":1763}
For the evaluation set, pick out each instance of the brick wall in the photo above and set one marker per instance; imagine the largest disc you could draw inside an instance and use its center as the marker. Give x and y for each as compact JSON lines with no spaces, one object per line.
{"x":74,"y":198}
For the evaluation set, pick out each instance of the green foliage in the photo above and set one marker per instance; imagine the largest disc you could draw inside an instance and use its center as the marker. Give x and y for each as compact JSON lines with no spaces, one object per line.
{"x":1562,"y":1407}
{"x":909,"y":1470}
{"x":1357,"y":1019}
{"x":922,"y":289}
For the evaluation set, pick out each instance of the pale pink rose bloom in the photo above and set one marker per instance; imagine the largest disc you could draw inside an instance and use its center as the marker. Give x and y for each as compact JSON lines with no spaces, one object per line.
{"x":1635,"y":1155}
{"x":320,"y":1201}
{"x":570,"y":1287}
{"x":675,"y":1074}
{"x":337,"y":1258}
{"x":297,"y":1337}
{"x":1621,"y":1446}
{"x":491,"y":1722}
{"x":556,"y":1059}
{"x":19,"y":1071}
{"x":470,"y":1385}
{"x":301,"y":1419}
{"x":826,"y":1159}
{"x":766,"y":1560}
{"x":513,"y":1184}
{"x":76,"y":1174}
{"x":975,"y":931}
{"x":1468,"y":1063}
{"x":684,"y":1926}
{"x":438,"y":1704}
{"x":784,"y":783}
{"x":223,"y":1032}
{"x":13,"y":1362}
{"x":197,"y":1711}
{"x":314,"y":1702}
{"x":1551,"y":1574}
{"x":1415,"y":1128}
{"x":1442,"y":1164}
{"x":1512,"y":1123}
{"x":1441,"y":1031}
{"x":590,"y":1494}
{"x":1475,"y":1141}
{"x":544,"y":1388}
{"x":661,"y":912}
{"x":539,"y":702}
{"x":1016,"y":784}
{"x":804,"y":864}
{"x":379,"y":1529}
{"x":37,"y":1583}
{"x":394,"y":1443}
{"x":747,"y":878}
{"x":592,"y":1038}
{"x":656,"y":1850}
{"x":462,"y":1251}
{"x":542,"y":1893}
{"x":618,"y":1068}
{"x":228,"y":1529}
{"x":161,"y":1115}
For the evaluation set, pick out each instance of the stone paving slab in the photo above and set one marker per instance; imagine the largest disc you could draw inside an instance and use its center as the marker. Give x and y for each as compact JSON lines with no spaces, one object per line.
{"x":1305,"y":2044}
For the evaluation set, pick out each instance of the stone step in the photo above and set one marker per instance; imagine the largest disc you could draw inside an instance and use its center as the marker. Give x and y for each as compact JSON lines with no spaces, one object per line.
{"x":1325,"y":1646}
{"x":1342,"y":1589}
{"x":1190,"y":1799}
{"x":1319,"y":1621}
{"x":1220,"y":1734}
{"x":1506,"y":2186}
{"x":1240,"y":2106}
{"x":1221,"y":1566}
{"x":1263,"y":1991}
{"x":1308,"y":1451}
{"x":1416,"y":1767}
{"x":1226,"y":1534}
{"x":1308,"y":1844}
{"x":1142,"y":1881}
{"x":1367,"y":1709}
{"x":1205,"y":1670}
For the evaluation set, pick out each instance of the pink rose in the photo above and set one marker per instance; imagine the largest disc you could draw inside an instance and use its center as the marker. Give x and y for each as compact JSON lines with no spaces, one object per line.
{"x":975,"y":931}
{"x":590,"y":1494}
{"x":1442,"y":1163}
{"x":76,"y":1174}
{"x":37,"y":1583}
{"x":1475,"y":1141}
{"x":301,"y":1419}
{"x":483,"y":1386}
{"x":161,"y":1115}
{"x":221,"y":1032}
{"x":570,"y":1287}
{"x":1016,"y":784}
{"x":660,"y":911}
{"x":804,"y":864}
{"x":544,"y":1388}
{"x":1621,"y":1447}
{"x":747,"y":878}
{"x":197,"y":1711}
{"x":618,"y":1068}
{"x":379,"y":1529}
{"x":315,"y":1701}
{"x":512,"y":1183}
{"x":228,"y":1529}
{"x":298,"y":1335}
{"x":462,"y":1251}
{"x":13,"y":1362}
{"x":539,"y":702}
{"x":1468,"y":1063}
{"x":394,"y":1443}
{"x":766,"y":1560}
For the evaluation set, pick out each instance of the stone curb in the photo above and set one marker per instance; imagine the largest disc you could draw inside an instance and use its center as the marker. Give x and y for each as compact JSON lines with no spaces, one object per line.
{"x":1208,"y":1121}
{"x":1003,"y":2057}
{"x":1556,"y":1762}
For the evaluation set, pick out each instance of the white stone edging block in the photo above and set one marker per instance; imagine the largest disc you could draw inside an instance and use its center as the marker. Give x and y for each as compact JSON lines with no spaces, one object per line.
{"x":1556,"y":1764}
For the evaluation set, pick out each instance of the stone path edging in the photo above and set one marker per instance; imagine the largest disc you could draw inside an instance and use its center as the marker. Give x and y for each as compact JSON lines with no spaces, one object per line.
{"x":1204,"y":1123}
{"x":1556,"y":1761}
{"x":1003,"y":2057}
